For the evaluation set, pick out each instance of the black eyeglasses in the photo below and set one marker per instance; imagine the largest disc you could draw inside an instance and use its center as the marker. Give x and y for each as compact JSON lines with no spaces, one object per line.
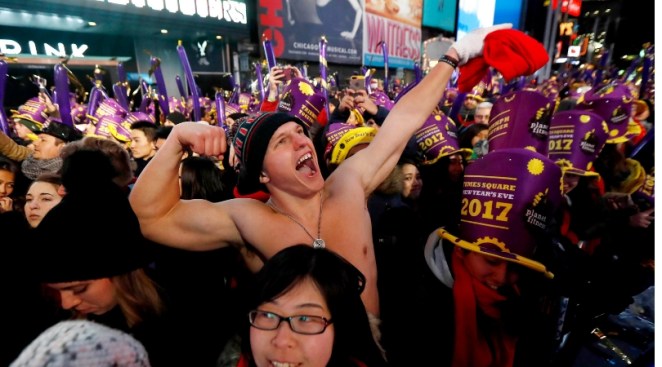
{"x":301,"y":324}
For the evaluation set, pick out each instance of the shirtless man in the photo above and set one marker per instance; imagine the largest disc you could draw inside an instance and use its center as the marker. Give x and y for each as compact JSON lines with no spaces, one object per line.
{"x":277,"y":154}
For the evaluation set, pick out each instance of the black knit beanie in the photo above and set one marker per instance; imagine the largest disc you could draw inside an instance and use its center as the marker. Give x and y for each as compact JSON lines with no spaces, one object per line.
{"x":250,"y":144}
{"x":92,"y":233}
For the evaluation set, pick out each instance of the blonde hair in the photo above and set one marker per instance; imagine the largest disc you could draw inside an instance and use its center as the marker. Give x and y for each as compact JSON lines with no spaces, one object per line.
{"x":137,"y":296}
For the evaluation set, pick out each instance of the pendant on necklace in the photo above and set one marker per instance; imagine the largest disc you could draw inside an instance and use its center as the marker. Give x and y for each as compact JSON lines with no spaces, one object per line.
{"x":319,"y":243}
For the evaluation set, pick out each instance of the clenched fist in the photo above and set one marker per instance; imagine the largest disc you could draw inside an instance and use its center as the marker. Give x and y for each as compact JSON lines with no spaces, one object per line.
{"x":202,"y":139}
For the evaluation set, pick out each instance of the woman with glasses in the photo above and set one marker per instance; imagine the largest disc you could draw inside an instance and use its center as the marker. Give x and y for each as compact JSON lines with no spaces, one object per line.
{"x":307,"y":311}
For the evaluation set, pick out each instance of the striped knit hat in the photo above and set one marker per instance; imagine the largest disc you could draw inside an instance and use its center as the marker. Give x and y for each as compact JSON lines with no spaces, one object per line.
{"x":250,"y":144}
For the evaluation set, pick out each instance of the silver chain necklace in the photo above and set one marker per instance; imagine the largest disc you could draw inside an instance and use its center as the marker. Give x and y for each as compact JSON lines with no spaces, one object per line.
{"x":317,"y":242}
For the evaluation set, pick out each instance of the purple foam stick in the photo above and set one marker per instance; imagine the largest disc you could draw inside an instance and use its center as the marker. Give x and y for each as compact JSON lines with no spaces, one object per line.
{"x":385,"y":54}
{"x":323,"y":70}
{"x":605,"y":57}
{"x":588,"y":76}
{"x":598,"y":75}
{"x":457,"y":105}
{"x":98,"y":75}
{"x":144,"y":87}
{"x":603,"y":66}
{"x":304,"y":71}
{"x":260,"y":82}
{"x":119,"y":93}
{"x":190,"y":81}
{"x":269,"y":53}
{"x":220,"y":109}
{"x":631,"y":68}
{"x":500,"y":88}
{"x":160,"y":83}
{"x":102,"y":94}
{"x":144,"y":104}
{"x":121,"y":88}
{"x":515,"y":85}
{"x":418,"y":74}
{"x":236,"y":91}
{"x":332,"y":80}
{"x":443,"y":95}
{"x":121,"y":73}
{"x":62,"y":98}
{"x":648,"y":138}
{"x":4,"y":125}
{"x":234,"y":97}
{"x":93,"y":101}
{"x":180,"y":87}
{"x":367,"y":76}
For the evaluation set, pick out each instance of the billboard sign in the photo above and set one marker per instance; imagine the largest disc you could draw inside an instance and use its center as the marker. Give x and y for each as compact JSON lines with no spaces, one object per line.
{"x":440,"y":14}
{"x":296,"y":26}
{"x":474,"y":14}
{"x":484,"y":13}
{"x":227,"y":10}
{"x":572,"y":7}
{"x":398,"y":24}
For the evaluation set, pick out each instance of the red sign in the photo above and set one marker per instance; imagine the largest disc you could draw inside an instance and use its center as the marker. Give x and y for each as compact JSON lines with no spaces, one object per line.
{"x":572,"y":7}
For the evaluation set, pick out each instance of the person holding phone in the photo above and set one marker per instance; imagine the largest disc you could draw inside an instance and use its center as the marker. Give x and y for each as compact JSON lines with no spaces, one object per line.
{"x":278,"y":76}
{"x":357,"y":108}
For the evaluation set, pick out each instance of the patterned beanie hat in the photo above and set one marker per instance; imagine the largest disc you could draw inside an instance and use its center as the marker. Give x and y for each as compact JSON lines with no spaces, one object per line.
{"x":250,"y":144}
{"x":82,"y":343}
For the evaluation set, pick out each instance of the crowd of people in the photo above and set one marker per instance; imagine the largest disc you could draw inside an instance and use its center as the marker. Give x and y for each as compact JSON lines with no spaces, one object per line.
{"x":446,"y":226}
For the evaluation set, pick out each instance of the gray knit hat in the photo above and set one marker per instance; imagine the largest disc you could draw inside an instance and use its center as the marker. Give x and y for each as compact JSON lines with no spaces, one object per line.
{"x":82,"y":343}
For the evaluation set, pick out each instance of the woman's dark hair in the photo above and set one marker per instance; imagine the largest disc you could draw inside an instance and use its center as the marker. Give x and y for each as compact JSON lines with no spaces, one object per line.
{"x":202,"y":179}
{"x":341,"y":285}
{"x":49,"y":177}
{"x":21,"y":183}
{"x":469,"y":133}
{"x":8,"y":165}
{"x":612,"y":166}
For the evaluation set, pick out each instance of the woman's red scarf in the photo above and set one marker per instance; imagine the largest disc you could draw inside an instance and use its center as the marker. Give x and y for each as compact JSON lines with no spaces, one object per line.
{"x":471,"y":344}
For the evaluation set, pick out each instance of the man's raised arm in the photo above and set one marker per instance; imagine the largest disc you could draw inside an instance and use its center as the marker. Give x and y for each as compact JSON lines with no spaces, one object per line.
{"x":166,"y":219}
{"x":376,"y":162}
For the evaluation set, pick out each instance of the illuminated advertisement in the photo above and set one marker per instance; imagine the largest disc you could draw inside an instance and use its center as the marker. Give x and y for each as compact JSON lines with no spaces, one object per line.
{"x":296,"y":26}
{"x":397,"y":23}
{"x":508,"y":11}
{"x":440,"y":14}
{"x":474,"y":14}
{"x":572,"y":7}
{"x":227,"y":10}
{"x":484,"y":13}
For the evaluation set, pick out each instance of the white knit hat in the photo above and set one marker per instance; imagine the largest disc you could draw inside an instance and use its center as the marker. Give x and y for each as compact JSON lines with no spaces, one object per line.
{"x":82,"y":343}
